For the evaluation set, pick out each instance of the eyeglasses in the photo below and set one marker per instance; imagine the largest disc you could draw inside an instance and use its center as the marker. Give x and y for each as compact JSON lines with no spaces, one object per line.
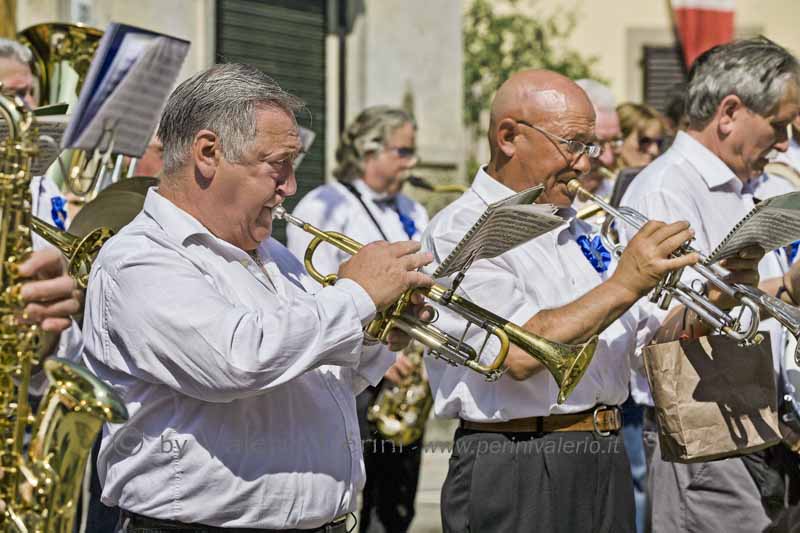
{"x":615,"y":144}
{"x":574,"y":147}
{"x":403,"y":152}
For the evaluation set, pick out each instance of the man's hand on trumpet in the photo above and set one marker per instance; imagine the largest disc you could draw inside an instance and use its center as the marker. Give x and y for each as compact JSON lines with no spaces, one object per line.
{"x":647,"y":258}
{"x":387,"y":270}
{"x":742,"y":270}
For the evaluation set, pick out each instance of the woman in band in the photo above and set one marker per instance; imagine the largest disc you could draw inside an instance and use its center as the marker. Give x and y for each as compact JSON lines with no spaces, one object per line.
{"x":643,"y":132}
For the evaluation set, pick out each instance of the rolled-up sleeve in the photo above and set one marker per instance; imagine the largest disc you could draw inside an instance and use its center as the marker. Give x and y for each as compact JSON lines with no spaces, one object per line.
{"x":153,"y":314}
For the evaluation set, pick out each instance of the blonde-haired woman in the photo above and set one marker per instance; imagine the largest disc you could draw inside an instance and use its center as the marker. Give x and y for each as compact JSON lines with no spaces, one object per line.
{"x":643,"y":131}
{"x":375,"y":151}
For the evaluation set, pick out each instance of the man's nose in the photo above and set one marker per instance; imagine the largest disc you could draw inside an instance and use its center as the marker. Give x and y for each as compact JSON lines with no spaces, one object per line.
{"x":607,"y":157}
{"x":288,"y":187}
{"x":583,"y":164}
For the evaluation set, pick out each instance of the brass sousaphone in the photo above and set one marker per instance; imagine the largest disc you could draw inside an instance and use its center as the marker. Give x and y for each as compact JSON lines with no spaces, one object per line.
{"x":62,"y":54}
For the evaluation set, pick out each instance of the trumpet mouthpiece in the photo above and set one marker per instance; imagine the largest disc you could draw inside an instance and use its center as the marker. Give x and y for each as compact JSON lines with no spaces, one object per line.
{"x":278,"y":212}
{"x":574,"y":185}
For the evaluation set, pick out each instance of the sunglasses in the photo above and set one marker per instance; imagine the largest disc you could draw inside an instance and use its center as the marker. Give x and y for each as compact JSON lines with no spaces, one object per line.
{"x":403,"y":152}
{"x":646,"y":142}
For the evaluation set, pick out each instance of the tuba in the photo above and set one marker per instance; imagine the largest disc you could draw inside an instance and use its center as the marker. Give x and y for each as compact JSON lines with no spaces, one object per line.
{"x":39,"y":487}
{"x":62,"y":55}
{"x":566,"y":363}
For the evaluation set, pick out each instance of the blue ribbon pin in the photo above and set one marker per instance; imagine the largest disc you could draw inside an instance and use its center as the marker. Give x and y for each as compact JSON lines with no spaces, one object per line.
{"x":58,"y":213}
{"x":595,"y":252}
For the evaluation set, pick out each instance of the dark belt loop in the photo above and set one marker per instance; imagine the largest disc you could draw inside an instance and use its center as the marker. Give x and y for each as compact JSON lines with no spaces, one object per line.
{"x":539,"y":424}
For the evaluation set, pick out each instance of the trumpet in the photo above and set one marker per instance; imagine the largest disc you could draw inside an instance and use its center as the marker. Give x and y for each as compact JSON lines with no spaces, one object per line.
{"x":752,"y":300}
{"x":566,"y":363}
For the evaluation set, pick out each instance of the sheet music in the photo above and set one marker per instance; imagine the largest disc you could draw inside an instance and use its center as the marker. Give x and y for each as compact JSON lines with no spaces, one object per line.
{"x":51,"y":130}
{"x":504,"y":225}
{"x":773,"y":223}
{"x":50,"y":127}
{"x":135,"y":104}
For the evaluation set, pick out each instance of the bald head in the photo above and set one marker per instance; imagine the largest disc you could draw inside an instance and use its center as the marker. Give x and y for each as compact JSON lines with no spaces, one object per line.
{"x":532,"y":114}
{"x":538,"y":96}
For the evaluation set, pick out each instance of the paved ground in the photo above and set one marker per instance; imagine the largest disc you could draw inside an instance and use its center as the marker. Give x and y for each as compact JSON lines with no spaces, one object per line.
{"x":432,"y":474}
{"x":438,"y":437}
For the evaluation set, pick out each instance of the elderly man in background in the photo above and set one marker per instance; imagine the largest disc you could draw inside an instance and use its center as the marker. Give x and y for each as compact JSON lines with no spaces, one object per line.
{"x":741,"y":97}
{"x":240,"y":384}
{"x":601,"y":176}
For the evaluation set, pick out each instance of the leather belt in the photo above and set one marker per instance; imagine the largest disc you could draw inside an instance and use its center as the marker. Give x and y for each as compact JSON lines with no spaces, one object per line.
{"x":602,"y":420}
{"x":338,"y":525}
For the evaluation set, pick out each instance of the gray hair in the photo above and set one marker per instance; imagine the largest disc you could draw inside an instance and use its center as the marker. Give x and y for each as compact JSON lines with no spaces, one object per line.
{"x":222,"y":99}
{"x":15,"y":51}
{"x":600,"y":95}
{"x":756,"y":70}
{"x":367,"y":134}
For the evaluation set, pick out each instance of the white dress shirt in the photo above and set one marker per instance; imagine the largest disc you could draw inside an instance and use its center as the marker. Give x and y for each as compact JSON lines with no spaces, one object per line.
{"x":332,"y":207}
{"x":688,"y":182}
{"x":240,"y":384}
{"x":547,"y":272}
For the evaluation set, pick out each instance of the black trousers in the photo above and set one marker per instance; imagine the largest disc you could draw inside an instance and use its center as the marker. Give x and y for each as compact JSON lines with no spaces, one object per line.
{"x":392,"y":477}
{"x":523,"y":482}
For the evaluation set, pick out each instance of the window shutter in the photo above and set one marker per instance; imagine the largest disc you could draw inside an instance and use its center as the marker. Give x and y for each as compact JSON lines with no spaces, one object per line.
{"x":663,"y":69}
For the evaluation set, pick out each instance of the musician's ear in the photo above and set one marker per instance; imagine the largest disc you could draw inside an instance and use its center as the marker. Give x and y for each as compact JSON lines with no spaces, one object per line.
{"x":504,"y":137}
{"x":730,"y":109}
{"x":206,"y":153}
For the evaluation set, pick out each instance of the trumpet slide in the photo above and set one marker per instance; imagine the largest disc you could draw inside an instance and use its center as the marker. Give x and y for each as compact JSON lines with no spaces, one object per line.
{"x":566,"y":363}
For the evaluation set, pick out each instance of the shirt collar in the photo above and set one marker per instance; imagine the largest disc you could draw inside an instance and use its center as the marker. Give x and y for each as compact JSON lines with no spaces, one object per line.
{"x":710,"y":167}
{"x":489,"y":189}
{"x":179,"y":224}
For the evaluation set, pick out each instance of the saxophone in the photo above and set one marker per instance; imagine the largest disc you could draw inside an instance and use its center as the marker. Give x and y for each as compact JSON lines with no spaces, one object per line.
{"x":400,"y":410}
{"x":39,"y":486}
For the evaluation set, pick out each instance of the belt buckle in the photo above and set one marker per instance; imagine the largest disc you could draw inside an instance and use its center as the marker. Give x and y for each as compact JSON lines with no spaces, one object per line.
{"x":596,"y":430}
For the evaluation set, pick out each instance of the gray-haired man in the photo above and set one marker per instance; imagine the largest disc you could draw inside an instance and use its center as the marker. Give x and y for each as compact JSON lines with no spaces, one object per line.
{"x":599,"y":179}
{"x":240,"y":383}
{"x":741,"y":97}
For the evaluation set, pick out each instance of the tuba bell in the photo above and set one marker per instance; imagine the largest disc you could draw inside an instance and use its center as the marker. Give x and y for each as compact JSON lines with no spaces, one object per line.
{"x":62,"y":55}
